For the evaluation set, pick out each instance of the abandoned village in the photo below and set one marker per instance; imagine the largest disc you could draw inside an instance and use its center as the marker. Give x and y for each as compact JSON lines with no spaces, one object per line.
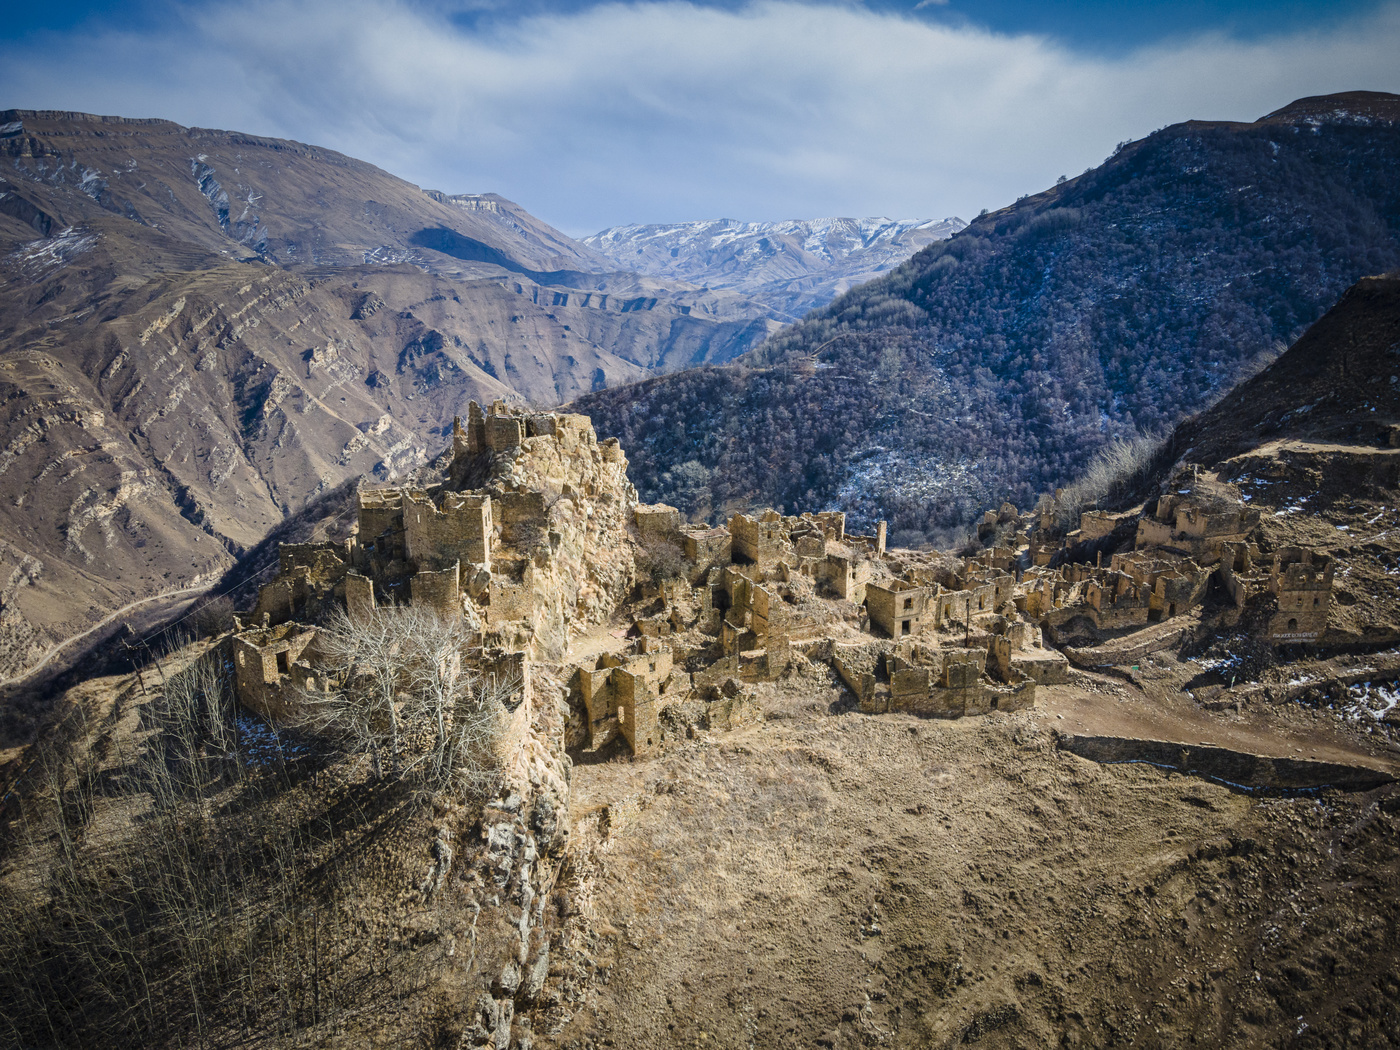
{"x":651,"y":625}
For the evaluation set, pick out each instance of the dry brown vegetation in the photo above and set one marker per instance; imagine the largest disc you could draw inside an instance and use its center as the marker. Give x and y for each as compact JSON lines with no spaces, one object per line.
{"x":183,"y":875}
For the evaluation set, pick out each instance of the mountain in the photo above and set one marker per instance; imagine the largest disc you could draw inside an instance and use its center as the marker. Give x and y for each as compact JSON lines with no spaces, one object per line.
{"x":201,"y":330}
{"x":793,"y":266}
{"x":1337,"y":386}
{"x":997,"y":363}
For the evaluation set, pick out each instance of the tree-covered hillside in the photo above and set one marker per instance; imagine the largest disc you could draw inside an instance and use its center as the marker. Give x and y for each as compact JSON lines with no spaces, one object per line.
{"x":994,"y":365}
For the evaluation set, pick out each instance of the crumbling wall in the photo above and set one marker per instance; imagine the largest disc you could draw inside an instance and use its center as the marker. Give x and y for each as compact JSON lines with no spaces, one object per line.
{"x":1117,"y":601}
{"x":263,"y":668}
{"x":1095,"y":525}
{"x":637,"y":707}
{"x":763,"y":541}
{"x":458,"y":530}
{"x":510,"y":600}
{"x":705,"y":548}
{"x":360,"y":603}
{"x":856,"y":664}
{"x":846,"y":573}
{"x":1302,"y":581}
{"x":658,"y":523}
{"x":439,"y":591}
{"x":381,"y":512}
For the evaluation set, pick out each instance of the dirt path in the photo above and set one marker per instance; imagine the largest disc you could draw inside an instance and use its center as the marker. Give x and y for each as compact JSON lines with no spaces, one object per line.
{"x":1099,"y":704}
{"x":194,"y":591}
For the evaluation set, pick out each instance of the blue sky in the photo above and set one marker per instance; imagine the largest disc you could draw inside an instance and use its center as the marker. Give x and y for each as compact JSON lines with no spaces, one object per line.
{"x":1098,"y":25}
{"x":594,"y":114}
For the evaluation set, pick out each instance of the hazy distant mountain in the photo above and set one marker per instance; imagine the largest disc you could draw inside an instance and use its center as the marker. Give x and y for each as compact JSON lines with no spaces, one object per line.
{"x":200,"y":330}
{"x":792,"y":266}
{"x":996,"y":363}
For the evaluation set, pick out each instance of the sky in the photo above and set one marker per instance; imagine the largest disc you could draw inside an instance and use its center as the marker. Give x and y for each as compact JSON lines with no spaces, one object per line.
{"x":593,"y":114}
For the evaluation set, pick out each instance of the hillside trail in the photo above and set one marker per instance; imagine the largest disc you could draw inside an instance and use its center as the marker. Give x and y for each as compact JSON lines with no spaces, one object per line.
{"x":1155,"y":706}
{"x":194,"y":591}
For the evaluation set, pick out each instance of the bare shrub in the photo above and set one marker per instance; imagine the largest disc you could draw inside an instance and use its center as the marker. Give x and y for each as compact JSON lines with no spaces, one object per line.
{"x":1116,"y":470}
{"x":660,"y":561}
{"x":139,"y":911}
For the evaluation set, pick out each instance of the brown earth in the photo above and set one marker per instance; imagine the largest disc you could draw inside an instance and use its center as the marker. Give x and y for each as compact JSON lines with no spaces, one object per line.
{"x":829,"y":878}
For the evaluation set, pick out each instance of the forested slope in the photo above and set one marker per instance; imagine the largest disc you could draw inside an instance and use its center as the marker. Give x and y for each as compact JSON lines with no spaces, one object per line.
{"x":995,"y":364}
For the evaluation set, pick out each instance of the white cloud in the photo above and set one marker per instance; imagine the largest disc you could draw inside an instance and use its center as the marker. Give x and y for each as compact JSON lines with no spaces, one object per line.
{"x":658,"y":111}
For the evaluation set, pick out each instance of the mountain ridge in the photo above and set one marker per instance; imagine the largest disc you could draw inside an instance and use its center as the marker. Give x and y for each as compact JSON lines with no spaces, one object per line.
{"x":793,"y":265}
{"x":994,"y":365}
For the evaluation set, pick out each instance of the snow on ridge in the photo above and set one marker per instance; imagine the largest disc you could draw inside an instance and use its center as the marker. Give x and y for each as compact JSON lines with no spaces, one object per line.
{"x":765,"y":259}
{"x":868,"y":231}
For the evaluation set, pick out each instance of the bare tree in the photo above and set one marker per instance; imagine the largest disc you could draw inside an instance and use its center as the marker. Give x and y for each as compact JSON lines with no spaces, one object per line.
{"x":397,"y":687}
{"x":361,"y":661}
{"x":457,"y":713}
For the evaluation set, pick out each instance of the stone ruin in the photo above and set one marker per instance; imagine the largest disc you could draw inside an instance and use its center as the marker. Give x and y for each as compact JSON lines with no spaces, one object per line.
{"x":520,"y":541}
{"x":1197,"y":532}
{"x":654,"y":625}
{"x":765,"y":593}
{"x":535,"y":539}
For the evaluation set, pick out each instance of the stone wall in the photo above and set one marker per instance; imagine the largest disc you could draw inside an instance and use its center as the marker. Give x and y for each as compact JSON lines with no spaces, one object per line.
{"x":380,"y":512}
{"x":1237,"y":768}
{"x":761,"y":541}
{"x":360,"y":604}
{"x":1095,"y":525}
{"x":265,"y":668}
{"x":510,"y":600}
{"x":658,"y":523}
{"x":439,"y":591}
{"x":457,"y":530}
{"x":705,"y":548}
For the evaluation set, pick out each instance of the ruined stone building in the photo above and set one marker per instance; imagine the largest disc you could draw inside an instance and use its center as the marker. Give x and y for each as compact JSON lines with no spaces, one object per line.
{"x":1198,"y":532}
{"x":1197,"y":522}
{"x":536,"y":540}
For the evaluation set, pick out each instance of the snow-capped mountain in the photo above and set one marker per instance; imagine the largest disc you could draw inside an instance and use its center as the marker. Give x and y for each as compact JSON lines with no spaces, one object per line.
{"x":792,"y":266}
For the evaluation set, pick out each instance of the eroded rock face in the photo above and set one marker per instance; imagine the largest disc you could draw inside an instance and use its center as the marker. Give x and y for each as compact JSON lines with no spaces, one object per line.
{"x":586,"y":565}
{"x":188,"y":361}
